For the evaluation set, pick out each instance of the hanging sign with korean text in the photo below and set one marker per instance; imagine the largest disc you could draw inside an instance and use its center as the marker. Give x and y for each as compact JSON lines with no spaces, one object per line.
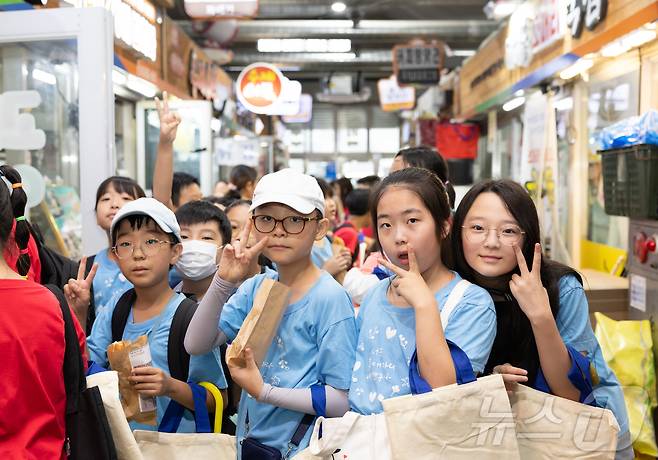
{"x":418,"y":62}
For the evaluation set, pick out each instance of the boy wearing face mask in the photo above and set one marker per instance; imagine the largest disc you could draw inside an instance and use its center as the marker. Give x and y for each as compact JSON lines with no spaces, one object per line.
{"x":205,"y":230}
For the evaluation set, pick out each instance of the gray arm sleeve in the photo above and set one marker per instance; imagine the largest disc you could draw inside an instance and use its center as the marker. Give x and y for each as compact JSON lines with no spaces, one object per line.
{"x":300,"y":399}
{"x":203,"y":333}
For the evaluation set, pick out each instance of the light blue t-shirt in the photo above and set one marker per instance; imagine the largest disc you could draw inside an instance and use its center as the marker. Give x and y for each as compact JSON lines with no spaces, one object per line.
{"x":314,"y":344}
{"x":576,"y":330}
{"x":203,"y":368}
{"x":321,"y":252}
{"x":387,"y":340}
{"x":109,"y":283}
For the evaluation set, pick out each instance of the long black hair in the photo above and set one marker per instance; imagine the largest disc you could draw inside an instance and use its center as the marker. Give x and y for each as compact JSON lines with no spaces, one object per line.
{"x":12,"y":207}
{"x":515,"y":342}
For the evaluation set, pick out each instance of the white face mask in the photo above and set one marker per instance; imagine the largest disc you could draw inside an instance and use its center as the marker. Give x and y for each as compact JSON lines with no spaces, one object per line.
{"x":198,"y":260}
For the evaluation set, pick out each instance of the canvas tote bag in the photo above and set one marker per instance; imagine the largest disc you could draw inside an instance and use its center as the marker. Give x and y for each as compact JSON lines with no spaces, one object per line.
{"x":549,"y":427}
{"x":468,"y":421}
{"x":364,"y":437}
{"x":202,"y":445}
{"x":124,"y":441}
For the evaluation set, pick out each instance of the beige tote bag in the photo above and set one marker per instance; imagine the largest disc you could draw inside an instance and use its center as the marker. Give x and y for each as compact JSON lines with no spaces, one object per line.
{"x":108,"y":385}
{"x":186,"y":446}
{"x":550,"y":427}
{"x":469,"y":421}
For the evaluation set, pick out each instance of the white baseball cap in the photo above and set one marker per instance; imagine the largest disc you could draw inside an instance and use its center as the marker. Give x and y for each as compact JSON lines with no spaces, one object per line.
{"x":290,"y":187}
{"x":162,"y":215}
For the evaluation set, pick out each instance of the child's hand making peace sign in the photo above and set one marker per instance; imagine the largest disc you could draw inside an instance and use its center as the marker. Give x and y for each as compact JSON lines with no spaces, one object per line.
{"x":409,"y":284}
{"x":234,"y":266}
{"x":78,"y":291}
{"x":527,"y":287}
{"x":169,"y":121}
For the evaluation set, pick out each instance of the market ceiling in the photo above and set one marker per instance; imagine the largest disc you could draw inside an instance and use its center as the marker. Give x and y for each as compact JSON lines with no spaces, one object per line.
{"x":373,"y":26}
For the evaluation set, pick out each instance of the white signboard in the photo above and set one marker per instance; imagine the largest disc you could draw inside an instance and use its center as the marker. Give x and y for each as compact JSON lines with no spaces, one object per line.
{"x":17,"y":129}
{"x":638,"y":294}
{"x":392,"y":97}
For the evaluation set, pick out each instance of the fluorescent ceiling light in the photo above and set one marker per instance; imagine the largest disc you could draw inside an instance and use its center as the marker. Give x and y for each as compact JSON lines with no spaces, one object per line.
{"x":639,"y":37}
{"x":614,"y":49}
{"x":141,"y":86}
{"x":44,"y":77}
{"x":576,"y":69}
{"x":519,"y":93}
{"x":301,"y":45}
{"x":463,"y":53}
{"x":631,"y":40}
{"x":338,"y":7}
{"x":513,"y":104}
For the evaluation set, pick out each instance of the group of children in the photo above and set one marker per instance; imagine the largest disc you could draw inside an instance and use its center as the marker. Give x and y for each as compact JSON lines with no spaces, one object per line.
{"x":518,"y":314}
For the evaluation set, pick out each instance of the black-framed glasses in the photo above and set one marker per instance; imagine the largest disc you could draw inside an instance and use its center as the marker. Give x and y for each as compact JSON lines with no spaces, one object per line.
{"x":509,"y":235}
{"x":149,"y":247}
{"x":291,"y":224}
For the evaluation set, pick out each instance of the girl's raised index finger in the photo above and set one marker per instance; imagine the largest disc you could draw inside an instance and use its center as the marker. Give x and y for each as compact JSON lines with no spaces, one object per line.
{"x":413,"y":262}
{"x":520,"y":259}
{"x":536,"y":260}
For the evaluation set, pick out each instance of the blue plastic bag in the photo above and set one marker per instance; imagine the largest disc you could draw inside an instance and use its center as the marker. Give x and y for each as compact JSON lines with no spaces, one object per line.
{"x":642,"y":129}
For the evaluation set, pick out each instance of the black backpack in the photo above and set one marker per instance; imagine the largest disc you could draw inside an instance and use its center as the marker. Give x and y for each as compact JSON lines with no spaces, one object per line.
{"x":177,"y":358}
{"x":88,"y":432}
{"x":55,"y":268}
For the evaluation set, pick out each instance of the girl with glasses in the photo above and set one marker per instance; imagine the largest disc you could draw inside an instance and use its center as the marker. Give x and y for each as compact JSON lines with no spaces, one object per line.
{"x":544,"y":338}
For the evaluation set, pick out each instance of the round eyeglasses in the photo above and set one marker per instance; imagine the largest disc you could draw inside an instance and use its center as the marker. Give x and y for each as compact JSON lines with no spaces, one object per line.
{"x":509,"y":235}
{"x":149,"y":247}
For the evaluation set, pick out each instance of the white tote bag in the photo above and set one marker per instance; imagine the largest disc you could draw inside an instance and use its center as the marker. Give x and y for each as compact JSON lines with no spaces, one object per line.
{"x":352,"y":436}
{"x":468,"y":421}
{"x":108,"y":385}
{"x":550,"y":427}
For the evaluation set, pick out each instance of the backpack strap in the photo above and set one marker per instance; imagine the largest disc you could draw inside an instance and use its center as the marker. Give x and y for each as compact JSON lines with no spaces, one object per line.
{"x":452,"y":301}
{"x":121,"y":313}
{"x":74,"y":376}
{"x":91,"y":312}
{"x":177,"y":358}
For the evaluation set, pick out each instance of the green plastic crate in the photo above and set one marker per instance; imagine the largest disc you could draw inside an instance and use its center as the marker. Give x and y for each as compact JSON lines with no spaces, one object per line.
{"x":643,"y":181}
{"x":630,"y":181}
{"x":615,"y":181}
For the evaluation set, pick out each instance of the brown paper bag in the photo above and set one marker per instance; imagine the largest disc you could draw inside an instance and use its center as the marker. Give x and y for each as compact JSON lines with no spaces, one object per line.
{"x":118,"y":355}
{"x":337,"y":246}
{"x":261,"y":323}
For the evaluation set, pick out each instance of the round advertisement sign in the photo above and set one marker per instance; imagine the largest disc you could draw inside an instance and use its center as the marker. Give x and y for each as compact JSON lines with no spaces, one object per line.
{"x":259,"y":86}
